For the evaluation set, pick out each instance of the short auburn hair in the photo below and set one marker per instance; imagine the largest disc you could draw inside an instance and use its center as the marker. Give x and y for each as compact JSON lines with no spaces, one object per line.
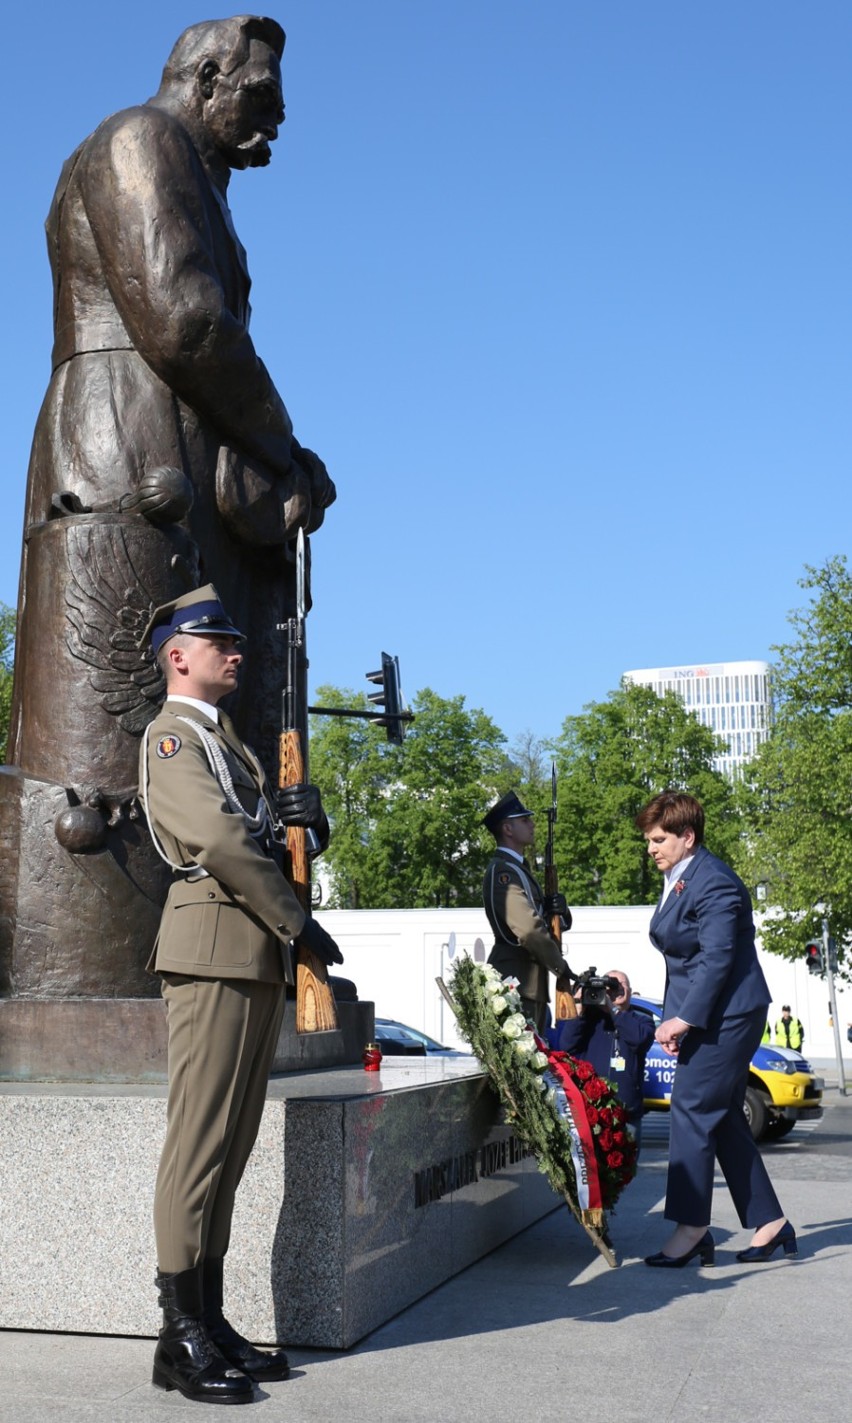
{"x":676,"y":812}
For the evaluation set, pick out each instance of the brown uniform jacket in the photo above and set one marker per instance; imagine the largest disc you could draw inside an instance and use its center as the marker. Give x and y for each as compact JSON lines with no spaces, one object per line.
{"x":523,"y":948}
{"x":238,"y":919}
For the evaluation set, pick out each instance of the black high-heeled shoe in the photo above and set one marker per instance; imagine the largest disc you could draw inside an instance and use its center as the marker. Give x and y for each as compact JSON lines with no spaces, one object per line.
{"x":705,"y":1247}
{"x":786,"y":1236}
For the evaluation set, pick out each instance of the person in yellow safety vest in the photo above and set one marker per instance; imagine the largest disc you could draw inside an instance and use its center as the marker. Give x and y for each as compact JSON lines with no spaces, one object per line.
{"x":767,"y":1035}
{"x":788,"y":1030}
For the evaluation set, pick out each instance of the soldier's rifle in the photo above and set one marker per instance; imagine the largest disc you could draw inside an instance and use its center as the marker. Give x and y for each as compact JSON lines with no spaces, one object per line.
{"x":316,"y":1011}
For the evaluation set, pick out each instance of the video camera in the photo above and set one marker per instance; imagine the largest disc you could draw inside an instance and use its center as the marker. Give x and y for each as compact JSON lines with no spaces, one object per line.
{"x":595,"y":991}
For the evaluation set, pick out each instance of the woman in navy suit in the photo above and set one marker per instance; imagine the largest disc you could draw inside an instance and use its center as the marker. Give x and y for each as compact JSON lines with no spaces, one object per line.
{"x":713,"y":1019}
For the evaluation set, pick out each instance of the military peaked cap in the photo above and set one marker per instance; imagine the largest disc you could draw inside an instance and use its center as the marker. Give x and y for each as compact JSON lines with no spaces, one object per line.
{"x":198,"y":612}
{"x":507,"y":808}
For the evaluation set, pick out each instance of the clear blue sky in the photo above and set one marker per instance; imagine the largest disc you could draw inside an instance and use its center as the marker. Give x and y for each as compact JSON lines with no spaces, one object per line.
{"x":562,"y":293}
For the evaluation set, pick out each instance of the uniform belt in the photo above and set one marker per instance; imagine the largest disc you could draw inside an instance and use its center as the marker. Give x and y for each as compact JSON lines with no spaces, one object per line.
{"x":196,"y":873}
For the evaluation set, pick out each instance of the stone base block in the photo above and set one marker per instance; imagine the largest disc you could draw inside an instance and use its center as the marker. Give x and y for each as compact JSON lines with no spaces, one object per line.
{"x":311,"y":1051}
{"x":124,"y":1040}
{"x":364,"y":1192}
{"x":83,"y":1040}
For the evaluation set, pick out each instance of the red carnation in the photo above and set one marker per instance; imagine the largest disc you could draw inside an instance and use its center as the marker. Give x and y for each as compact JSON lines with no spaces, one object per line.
{"x":596,"y":1089}
{"x":619,"y":1138}
{"x":605,"y":1139}
{"x":583,"y":1070}
{"x":615,"y":1159}
{"x":592,"y":1113}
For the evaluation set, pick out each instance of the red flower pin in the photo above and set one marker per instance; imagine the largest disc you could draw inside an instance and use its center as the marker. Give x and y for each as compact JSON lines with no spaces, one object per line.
{"x":680,"y":886}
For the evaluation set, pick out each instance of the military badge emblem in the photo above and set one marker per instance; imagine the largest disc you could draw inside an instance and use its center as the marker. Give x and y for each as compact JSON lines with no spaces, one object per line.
{"x":504,"y":879}
{"x":168,"y":746}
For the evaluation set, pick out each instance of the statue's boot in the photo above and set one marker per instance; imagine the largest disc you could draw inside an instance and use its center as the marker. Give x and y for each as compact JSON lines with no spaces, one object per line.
{"x":186,"y":1358}
{"x":261,"y":1366}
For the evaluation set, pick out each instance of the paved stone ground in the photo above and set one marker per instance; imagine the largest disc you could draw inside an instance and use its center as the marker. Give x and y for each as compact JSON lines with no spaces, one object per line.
{"x":543,"y":1327}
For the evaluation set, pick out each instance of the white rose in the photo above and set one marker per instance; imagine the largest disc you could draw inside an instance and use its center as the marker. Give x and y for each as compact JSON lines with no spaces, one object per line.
{"x":525,"y":1044}
{"x":538,"y":1061}
{"x":499,"y":1005}
{"x":511,"y":1029}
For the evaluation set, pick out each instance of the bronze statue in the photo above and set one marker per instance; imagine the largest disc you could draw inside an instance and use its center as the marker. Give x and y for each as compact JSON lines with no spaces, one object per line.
{"x":163,"y":457}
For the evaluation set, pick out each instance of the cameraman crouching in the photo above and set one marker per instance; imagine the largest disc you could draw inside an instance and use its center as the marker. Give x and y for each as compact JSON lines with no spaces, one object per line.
{"x":614,"y":1038}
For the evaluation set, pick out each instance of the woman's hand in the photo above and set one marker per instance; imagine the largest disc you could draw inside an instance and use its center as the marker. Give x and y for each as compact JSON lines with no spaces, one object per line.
{"x":670,"y":1033}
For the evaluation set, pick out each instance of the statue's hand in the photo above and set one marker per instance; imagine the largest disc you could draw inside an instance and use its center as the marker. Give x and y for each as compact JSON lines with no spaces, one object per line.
{"x":260,"y":504}
{"x":297,"y":502}
{"x":163,"y":496}
{"x":322,"y":487}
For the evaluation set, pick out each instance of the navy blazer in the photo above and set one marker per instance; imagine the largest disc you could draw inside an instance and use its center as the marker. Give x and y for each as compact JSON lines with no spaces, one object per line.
{"x":705,"y":930}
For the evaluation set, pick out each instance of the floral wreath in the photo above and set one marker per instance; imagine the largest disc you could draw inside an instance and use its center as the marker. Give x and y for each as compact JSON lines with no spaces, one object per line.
{"x":614,"y":1147}
{"x":569,"y":1117}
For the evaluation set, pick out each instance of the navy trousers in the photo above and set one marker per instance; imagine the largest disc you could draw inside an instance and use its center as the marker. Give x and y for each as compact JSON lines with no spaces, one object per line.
{"x":708,"y":1123}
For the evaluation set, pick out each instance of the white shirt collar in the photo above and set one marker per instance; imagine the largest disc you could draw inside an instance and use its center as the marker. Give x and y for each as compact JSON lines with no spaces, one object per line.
{"x":206,"y":707}
{"x":513,"y":853}
{"x":672,"y":876}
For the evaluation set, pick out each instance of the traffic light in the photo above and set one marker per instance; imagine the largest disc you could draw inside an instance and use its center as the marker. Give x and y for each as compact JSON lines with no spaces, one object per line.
{"x":813,"y":954}
{"x":390,"y":697}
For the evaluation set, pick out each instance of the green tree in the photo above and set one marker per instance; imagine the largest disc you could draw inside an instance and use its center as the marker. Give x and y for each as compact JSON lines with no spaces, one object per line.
{"x":611,"y":760}
{"x":7,"y":659}
{"x":796,"y":799}
{"x":531,"y":758}
{"x":406,"y":829}
{"x":529,"y":774}
{"x":350,"y":762}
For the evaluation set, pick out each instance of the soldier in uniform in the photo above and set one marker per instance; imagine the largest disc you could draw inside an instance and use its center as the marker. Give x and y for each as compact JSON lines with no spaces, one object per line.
{"x":224,"y":954}
{"x":518,"y":911}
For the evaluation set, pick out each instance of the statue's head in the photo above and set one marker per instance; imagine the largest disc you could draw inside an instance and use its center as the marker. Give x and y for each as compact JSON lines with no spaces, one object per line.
{"x":226,"y":75}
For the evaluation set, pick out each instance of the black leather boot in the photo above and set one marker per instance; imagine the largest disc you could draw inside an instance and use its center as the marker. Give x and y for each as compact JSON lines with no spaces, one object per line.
{"x":263,"y":1368}
{"x":185,"y":1357}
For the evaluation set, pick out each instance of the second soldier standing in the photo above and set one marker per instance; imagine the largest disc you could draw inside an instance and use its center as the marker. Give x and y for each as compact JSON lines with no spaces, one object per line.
{"x":518,"y":912}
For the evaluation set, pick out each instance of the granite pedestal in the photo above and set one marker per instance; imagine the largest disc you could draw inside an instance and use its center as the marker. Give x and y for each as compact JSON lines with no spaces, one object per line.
{"x":364,"y":1192}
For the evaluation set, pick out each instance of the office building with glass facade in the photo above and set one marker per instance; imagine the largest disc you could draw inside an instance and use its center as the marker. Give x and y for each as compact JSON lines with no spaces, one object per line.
{"x":732,"y":698}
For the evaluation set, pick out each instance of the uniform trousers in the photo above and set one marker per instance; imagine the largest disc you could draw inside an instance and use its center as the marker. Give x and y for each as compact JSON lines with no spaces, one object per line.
{"x":708,"y":1121}
{"x":222,"y":1039}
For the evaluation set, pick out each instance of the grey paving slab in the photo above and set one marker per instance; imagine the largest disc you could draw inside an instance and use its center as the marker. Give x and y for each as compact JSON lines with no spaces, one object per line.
{"x":543,"y":1327}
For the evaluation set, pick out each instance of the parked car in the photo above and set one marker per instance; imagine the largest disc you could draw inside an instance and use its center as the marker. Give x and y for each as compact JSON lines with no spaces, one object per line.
{"x":781,"y":1090}
{"x":399,"y":1040}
